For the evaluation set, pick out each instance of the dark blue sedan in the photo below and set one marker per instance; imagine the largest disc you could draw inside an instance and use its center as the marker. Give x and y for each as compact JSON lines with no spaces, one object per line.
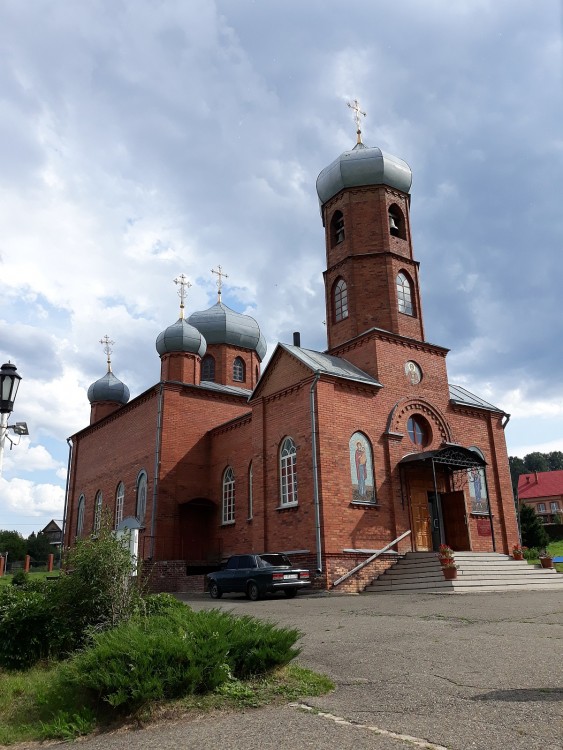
{"x":257,"y":575}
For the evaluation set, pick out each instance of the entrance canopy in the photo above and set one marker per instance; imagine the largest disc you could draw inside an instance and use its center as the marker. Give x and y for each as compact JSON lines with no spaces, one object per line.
{"x":454,"y":456}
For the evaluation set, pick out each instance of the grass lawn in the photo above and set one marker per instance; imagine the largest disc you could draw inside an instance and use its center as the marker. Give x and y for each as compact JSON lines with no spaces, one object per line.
{"x":555,"y":549}
{"x":6,"y":580}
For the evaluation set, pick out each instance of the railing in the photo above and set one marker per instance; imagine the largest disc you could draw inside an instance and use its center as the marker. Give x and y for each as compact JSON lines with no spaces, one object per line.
{"x":370,"y":559}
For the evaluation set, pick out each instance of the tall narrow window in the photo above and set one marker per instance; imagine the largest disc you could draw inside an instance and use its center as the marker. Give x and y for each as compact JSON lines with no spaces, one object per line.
{"x":141,"y":505}
{"x":337,"y":228}
{"x":250,"y":500}
{"x":80,"y":516}
{"x":229,"y":496}
{"x":119,"y":500}
{"x":340,"y":300}
{"x":238,"y":370}
{"x":288,"y":472}
{"x":97,"y":512}
{"x":208,"y":368}
{"x":404,"y":294}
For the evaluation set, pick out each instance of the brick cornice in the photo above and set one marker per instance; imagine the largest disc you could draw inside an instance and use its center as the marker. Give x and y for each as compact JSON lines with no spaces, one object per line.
{"x":393,"y":338}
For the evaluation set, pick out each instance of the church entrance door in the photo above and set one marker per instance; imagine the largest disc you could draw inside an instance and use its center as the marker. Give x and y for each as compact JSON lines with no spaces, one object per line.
{"x":199,"y":545}
{"x":456,"y":527}
{"x":422,"y":530}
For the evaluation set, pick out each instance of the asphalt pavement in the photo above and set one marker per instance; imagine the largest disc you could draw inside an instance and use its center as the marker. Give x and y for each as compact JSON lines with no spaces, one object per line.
{"x":463,"y":672}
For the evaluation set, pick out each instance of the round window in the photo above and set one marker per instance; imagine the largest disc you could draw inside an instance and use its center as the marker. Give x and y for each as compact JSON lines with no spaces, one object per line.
{"x":419,"y":431}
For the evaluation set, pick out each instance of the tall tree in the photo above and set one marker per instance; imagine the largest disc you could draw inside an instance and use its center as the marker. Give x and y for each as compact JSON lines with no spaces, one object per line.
{"x":555,"y":460}
{"x":533,"y":532}
{"x":14,"y":544}
{"x":39,"y":547}
{"x":536,"y":461}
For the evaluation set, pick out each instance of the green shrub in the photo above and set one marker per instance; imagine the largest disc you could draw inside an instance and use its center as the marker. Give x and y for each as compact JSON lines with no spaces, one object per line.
{"x":161,"y":604}
{"x":25,"y":627}
{"x":182,"y":653}
{"x":20,"y":578}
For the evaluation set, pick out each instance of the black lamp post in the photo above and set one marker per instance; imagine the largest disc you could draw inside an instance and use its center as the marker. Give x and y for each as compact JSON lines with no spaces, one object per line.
{"x":9,"y":383}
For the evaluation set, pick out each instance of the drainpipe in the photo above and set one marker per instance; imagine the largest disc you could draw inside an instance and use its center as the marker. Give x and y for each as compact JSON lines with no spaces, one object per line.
{"x":69,"y":443}
{"x":156,"y":467}
{"x":316,"y":474}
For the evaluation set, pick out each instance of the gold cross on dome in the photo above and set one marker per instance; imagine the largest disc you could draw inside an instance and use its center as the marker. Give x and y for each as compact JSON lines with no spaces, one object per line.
{"x":184,"y":284}
{"x":107,"y":343}
{"x":219,"y":273}
{"x":355,"y":107}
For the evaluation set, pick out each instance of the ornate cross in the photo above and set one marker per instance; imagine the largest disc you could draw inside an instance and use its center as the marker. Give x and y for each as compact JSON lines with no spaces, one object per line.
{"x":107,"y":343}
{"x":355,"y":107}
{"x":184,"y":284}
{"x":219,"y":273}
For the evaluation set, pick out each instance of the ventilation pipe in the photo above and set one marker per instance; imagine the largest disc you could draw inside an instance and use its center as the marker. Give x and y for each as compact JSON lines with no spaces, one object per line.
{"x":296,"y":338}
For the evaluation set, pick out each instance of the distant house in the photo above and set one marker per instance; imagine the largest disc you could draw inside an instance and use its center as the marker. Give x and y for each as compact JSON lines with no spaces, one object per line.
{"x":54,"y":533}
{"x":543,"y":491}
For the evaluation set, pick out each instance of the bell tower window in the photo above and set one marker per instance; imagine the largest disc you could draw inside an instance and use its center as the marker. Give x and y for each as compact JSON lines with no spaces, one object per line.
{"x":337,"y":228}
{"x":238,"y":370}
{"x":404,"y":294}
{"x":208,"y":368}
{"x":396,"y":222}
{"x":340,"y":296}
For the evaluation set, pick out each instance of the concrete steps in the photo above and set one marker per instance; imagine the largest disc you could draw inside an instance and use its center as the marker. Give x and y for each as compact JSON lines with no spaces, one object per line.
{"x":477,"y":571}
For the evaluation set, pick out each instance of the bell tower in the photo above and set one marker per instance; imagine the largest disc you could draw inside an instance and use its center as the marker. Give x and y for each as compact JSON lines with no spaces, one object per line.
{"x":371,"y":277}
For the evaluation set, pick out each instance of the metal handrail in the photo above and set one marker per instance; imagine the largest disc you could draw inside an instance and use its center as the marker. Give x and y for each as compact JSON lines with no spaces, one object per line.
{"x":370,"y":559}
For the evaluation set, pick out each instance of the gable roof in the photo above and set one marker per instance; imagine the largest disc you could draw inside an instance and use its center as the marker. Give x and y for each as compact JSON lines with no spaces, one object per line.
{"x":463,"y":397}
{"x":326,"y":364}
{"x":540,"y":484}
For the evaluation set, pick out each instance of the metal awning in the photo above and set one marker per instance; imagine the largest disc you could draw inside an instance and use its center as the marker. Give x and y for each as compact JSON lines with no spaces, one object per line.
{"x":454,"y":456}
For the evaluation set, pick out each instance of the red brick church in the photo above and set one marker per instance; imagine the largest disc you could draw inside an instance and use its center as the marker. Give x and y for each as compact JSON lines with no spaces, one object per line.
{"x":328,"y":456}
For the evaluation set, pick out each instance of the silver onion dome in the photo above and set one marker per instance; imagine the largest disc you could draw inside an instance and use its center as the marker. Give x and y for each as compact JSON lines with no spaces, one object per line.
{"x":108,"y":388}
{"x":363,"y":166}
{"x":181,"y":337}
{"x":221,"y":325}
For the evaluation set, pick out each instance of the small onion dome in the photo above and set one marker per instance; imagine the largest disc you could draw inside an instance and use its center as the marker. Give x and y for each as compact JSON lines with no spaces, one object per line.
{"x":360,"y":167}
{"x":181,"y":337}
{"x":108,"y":388}
{"x":221,"y":325}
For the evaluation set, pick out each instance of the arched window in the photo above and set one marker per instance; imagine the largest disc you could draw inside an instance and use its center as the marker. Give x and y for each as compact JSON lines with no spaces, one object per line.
{"x":337,"y":228}
{"x":419,"y":431}
{"x":229,"y":496}
{"x":361,"y":469}
{"x":250,"y":503}
{"x":97,"y":512}
{"x":119,"y":500}
{"x":80,"y":516}
{"x":239,"y":370}
{"x":396,"y":222}
{"x":340,"y":296}
{"x":208,"y":368}
{"x":404,"y":294}
{"x":141,"y":504}
{"x":288,"y":472}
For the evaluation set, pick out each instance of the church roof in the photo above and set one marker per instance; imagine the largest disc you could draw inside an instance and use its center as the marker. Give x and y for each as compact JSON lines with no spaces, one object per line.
{"x":108,"y":388}
{"x":326,"y":364}
{"x":361,"y":166}
{"x":463,"y":397}
{"x":181,"y":337}
{"x":231,"y":389}
{"x":221,"y":325}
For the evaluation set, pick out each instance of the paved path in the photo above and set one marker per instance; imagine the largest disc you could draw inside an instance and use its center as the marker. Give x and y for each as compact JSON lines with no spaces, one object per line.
{"x":465,"y":672}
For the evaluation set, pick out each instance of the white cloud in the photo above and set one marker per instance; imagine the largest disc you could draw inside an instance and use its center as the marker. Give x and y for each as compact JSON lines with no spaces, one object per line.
{"x":30,"y":499}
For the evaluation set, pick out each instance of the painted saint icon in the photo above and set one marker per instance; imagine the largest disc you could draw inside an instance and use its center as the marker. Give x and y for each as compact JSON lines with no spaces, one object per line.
{"x":361,"y":469}
{"x":478,"y":490}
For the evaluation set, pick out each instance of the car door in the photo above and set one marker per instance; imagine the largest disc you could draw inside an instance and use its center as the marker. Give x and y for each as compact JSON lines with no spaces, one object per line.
{"x":246,"y":570}
{"x":228,"y":576}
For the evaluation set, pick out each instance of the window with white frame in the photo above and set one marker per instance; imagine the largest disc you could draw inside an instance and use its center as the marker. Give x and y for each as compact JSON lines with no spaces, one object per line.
{"x":97,"y":512}
{"x":288,"y":472}
{"x":229,"y":496}
{"x":238,"y":370}
{"x":250,"y":503}
{"x":340,"y":297}
{"x":80,"y":516}
{"x":141,"y":504}
{"x":119,"y":500}
{"x":540,"y":507}
{"x":554,"y":507}
{"x":404,"y":294}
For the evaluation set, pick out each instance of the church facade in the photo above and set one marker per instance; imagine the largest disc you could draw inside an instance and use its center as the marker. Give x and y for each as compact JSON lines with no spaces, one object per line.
{"x":328,"y":456}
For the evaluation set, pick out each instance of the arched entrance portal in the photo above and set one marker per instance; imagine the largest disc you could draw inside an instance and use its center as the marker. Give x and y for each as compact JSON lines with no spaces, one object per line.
{"x":198,"y":524}
{"x":435,"y":483}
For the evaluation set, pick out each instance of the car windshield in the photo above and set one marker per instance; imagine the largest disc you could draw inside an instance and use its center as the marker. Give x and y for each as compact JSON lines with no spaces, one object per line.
{"x":277,"y":560}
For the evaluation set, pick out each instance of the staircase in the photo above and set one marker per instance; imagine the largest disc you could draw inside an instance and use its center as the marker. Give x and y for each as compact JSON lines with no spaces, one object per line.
{"x":478,"y":571}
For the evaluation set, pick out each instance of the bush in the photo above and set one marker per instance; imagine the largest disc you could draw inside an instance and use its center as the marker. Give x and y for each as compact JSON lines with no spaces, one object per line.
{"x":533,"y":531}
{"x":20,"y":578}
{"x":25,"y":626}
{"x":175,"y":655}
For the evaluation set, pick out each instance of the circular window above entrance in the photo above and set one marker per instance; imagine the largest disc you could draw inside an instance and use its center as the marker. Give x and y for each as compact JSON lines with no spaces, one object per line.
{"x":419,"y":431}
{"x":413,"y":372}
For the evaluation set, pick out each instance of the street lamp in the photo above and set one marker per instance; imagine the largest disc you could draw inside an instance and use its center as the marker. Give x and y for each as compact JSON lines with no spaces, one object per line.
{"x":9,"y":383}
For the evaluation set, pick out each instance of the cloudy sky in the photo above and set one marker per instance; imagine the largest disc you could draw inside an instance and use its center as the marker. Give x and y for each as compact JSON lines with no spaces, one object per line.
{"x":140,"y":139}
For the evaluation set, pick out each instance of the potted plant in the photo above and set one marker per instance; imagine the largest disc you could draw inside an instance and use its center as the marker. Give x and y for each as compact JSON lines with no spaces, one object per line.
{"x":518,"y":552}
{"x":445,"y":554}
{"x":449,"y":569}
{"x":546,"y":560}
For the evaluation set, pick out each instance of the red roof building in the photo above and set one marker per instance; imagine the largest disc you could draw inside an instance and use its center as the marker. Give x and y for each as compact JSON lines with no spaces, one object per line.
{"x":543,"y":491}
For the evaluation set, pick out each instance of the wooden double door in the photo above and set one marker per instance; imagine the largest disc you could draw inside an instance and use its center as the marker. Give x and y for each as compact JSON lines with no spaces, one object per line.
{"x":438,"y":519}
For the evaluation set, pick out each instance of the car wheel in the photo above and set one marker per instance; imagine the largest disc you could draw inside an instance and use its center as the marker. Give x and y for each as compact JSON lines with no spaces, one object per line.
{"x":253,"y":592}
{"x":290,"y":593}
{"x":214,"y":591}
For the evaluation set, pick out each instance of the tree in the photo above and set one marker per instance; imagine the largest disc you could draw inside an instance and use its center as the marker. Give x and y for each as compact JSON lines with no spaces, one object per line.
{"x":14,"y":544}
{"x":39,"y":546}
{"x":533,"y":532}
{"x":555,"y":460}
{"x":536,"y":461}
{"x":517,"y":467}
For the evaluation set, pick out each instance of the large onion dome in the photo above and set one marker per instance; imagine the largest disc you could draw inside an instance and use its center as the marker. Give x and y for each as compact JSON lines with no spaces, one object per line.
{"x":221,"y":325}
{"x":181,"y":337}
{"x":360,"y":167}
{"x":108,"y":388}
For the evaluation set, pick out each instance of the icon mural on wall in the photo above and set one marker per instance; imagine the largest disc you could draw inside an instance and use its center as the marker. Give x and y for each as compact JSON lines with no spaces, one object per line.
{"x":413,"y":372}
{"x":478,"y":490}
{"x":361,"y":469}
